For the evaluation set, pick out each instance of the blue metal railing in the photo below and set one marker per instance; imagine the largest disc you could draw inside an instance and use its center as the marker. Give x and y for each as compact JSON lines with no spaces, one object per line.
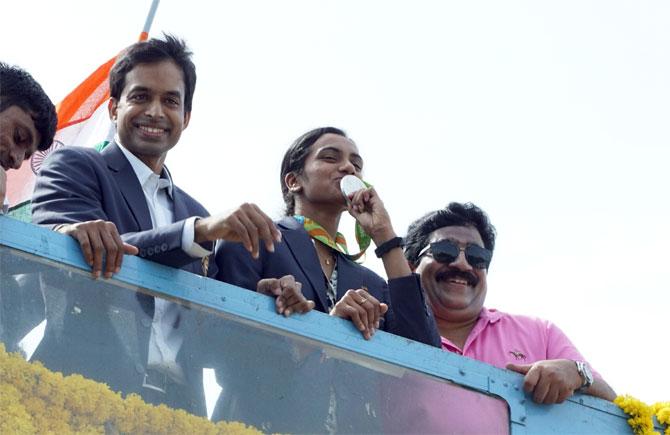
{"x":580,"y":414}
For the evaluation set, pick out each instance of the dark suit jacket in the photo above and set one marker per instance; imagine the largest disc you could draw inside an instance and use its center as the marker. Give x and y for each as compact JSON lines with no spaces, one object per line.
{"x":271,"y":398}
{"x":105,"y":335}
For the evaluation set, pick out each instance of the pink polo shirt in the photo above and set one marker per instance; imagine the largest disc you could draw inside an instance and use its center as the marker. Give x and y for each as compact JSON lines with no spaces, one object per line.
{"x":499,"y":338}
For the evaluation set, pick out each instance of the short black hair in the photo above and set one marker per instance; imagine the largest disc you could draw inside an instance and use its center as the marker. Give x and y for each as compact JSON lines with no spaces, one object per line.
{"x":19,"y":88}
{"x":295,"y":157}
{"x":455,"y":214}
{"x":154,"y":51}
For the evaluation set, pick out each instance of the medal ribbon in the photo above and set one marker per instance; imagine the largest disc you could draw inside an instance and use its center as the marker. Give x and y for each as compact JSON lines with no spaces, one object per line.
{"x":317,"y":232}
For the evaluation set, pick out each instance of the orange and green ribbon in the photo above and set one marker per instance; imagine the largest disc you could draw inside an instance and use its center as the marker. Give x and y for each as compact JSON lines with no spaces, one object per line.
{"x":317,"y":232}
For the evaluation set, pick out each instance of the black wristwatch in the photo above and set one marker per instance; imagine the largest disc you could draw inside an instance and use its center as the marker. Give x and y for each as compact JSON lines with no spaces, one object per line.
{"x":585,"y":372}
{"x":388,"y":245}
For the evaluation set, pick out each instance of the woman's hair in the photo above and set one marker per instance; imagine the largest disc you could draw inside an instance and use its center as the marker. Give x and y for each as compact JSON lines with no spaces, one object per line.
{"x":294,"y":160}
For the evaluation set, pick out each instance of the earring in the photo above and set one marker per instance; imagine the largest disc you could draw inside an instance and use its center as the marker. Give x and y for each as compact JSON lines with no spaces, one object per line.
{"x":295,"y":188}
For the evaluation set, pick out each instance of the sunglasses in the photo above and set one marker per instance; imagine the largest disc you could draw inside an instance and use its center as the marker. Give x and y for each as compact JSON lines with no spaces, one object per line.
{"x":446,"y":251}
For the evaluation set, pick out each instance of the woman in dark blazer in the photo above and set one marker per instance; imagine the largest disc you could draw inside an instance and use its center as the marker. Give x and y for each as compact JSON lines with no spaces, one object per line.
{"x":311,"y":269}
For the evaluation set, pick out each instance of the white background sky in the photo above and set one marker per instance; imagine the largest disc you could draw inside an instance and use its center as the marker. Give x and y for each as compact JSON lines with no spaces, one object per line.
{"x":551,"y":116}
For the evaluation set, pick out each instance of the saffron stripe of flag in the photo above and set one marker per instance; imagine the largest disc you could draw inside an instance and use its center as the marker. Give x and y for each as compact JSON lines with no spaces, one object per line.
{"x":80,"y":104}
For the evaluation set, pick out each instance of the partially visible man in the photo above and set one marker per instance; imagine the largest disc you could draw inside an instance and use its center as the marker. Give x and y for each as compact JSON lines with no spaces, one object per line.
{"x":129,"y":340}
{"x":27,"y":122}
{"x":451,"y":249}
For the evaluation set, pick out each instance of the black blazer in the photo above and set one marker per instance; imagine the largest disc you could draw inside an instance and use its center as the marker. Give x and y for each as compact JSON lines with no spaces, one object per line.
{"x":104,"y":335}
{"x":408,"y":314}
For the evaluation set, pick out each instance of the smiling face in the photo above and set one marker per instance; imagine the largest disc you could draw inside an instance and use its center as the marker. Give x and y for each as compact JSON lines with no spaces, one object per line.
{"x":330,"y":158}
{"x":457,"y":290}
{"x":149,"y":115}
{"x":18,"y":137}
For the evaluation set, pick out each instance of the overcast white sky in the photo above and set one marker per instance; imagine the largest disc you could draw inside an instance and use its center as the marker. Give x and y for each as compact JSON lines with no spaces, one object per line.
{"x":551,"y":116}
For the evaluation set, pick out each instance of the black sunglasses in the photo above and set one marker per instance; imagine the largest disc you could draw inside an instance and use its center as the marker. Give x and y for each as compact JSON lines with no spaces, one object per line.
{"x":446,"y":251}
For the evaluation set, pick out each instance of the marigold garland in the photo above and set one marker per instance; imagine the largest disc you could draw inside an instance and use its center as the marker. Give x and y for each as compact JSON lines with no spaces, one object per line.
{"x":641,"y":414}
{"x":34,"y":399}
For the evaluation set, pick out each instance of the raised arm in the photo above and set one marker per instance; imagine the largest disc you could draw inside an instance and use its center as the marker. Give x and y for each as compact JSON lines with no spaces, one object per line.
{"x":409,"y":315}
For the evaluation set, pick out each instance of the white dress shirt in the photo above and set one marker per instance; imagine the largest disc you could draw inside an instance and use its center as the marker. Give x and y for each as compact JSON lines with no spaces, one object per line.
{"x":166,"y":340}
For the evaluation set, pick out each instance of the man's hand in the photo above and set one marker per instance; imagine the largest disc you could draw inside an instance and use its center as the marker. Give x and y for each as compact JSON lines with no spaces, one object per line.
{"x":363,"y":309}
{"x":247,"y":224}
{"x":3,"y":186}
{"x":99,"y":240}
{"x":549,"y":381}
{"x":288,"y":293}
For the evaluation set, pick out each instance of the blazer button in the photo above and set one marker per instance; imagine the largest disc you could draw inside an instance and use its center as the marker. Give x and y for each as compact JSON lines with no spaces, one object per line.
{"x":150,"y":251}
{"x":140,"y":368}
{"x":75,"y":310}
{"x":164,"y":247}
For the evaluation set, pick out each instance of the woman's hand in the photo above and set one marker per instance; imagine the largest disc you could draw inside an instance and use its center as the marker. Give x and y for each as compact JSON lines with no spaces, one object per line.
{"x":288,"y":293}
{"x":363,"y":309}
{"x":368,"y":209}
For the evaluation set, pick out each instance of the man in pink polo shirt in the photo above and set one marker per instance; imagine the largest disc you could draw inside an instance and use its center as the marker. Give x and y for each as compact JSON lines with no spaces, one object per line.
{"x":451,"y":249}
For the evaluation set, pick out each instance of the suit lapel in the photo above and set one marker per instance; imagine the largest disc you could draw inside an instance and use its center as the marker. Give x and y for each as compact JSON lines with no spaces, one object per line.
{"x":304,"y":253}
{"x":132,"y":193}
{"x":128,"y":185}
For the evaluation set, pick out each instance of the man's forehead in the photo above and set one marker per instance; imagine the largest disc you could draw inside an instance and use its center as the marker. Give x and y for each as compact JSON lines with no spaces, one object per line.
{"x":458,"y":233}
{"x":18,"y":113}
{"x":164,"y":76}
{"x":6,"y":104}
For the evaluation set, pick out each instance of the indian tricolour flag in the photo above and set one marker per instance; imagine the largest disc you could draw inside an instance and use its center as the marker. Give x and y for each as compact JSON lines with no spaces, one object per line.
{"x":82,"y":120}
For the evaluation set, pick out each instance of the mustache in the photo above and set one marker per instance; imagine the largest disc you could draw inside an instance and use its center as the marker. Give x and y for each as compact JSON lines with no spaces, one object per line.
{"x":447,"y":274}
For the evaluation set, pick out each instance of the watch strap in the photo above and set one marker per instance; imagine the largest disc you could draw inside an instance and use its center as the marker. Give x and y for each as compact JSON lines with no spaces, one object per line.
{"x":396,"y":242}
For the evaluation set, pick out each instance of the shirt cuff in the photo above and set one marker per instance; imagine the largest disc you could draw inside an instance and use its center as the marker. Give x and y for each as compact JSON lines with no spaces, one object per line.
{"x":188,"y":243}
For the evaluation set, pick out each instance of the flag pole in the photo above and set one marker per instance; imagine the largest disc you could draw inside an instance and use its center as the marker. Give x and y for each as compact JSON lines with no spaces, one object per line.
{"x":150,"y":19}
{"x":143,"y":37}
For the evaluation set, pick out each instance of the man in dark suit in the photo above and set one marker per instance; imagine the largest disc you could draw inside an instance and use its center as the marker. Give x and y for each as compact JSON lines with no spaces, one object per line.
{"x":125,"y":196}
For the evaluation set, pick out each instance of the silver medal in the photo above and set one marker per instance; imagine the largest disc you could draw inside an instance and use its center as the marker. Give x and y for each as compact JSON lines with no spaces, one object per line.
{"x":350,"y":184}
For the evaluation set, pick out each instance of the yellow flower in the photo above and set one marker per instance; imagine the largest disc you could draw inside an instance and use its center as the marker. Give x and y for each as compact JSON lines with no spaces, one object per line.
{"x":36,"y":400}
{"x":662,"y":412}
{"x":641,"y":420}
{"x":13,"y":416}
